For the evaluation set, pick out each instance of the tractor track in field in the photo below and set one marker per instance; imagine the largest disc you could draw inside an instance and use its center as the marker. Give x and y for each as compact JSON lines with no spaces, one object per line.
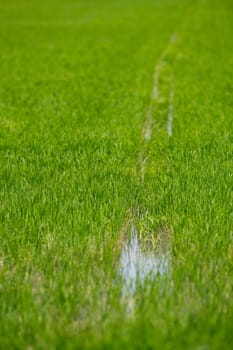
{"x":148,"y":124}
{"x":171,"y":109}
{"x":132,"y":258}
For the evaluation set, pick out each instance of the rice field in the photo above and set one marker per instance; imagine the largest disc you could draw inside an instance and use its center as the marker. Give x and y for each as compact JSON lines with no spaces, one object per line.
{"x":116,"y":174}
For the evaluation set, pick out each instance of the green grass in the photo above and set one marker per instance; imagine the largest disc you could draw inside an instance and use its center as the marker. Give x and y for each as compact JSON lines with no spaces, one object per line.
{"x":76,"y":81}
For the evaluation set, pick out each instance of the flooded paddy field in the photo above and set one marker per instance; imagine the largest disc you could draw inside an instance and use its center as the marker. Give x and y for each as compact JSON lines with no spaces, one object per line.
{"x":116,"y":147}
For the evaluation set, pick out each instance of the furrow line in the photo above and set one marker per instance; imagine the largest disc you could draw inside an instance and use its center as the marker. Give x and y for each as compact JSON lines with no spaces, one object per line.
{"x":147,"y":127}
{"x":135,"y":264}
{"x":171,"y":110}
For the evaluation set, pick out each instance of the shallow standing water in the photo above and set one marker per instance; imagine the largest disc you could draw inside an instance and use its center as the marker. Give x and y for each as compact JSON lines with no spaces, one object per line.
{"x":138,"y":265}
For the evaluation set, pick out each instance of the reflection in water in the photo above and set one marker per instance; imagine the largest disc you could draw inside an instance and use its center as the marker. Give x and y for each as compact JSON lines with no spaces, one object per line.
{"x":138,"y":264}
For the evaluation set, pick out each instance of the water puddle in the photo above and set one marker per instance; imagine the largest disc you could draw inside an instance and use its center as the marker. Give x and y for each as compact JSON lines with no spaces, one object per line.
{"x":140,"y":262}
